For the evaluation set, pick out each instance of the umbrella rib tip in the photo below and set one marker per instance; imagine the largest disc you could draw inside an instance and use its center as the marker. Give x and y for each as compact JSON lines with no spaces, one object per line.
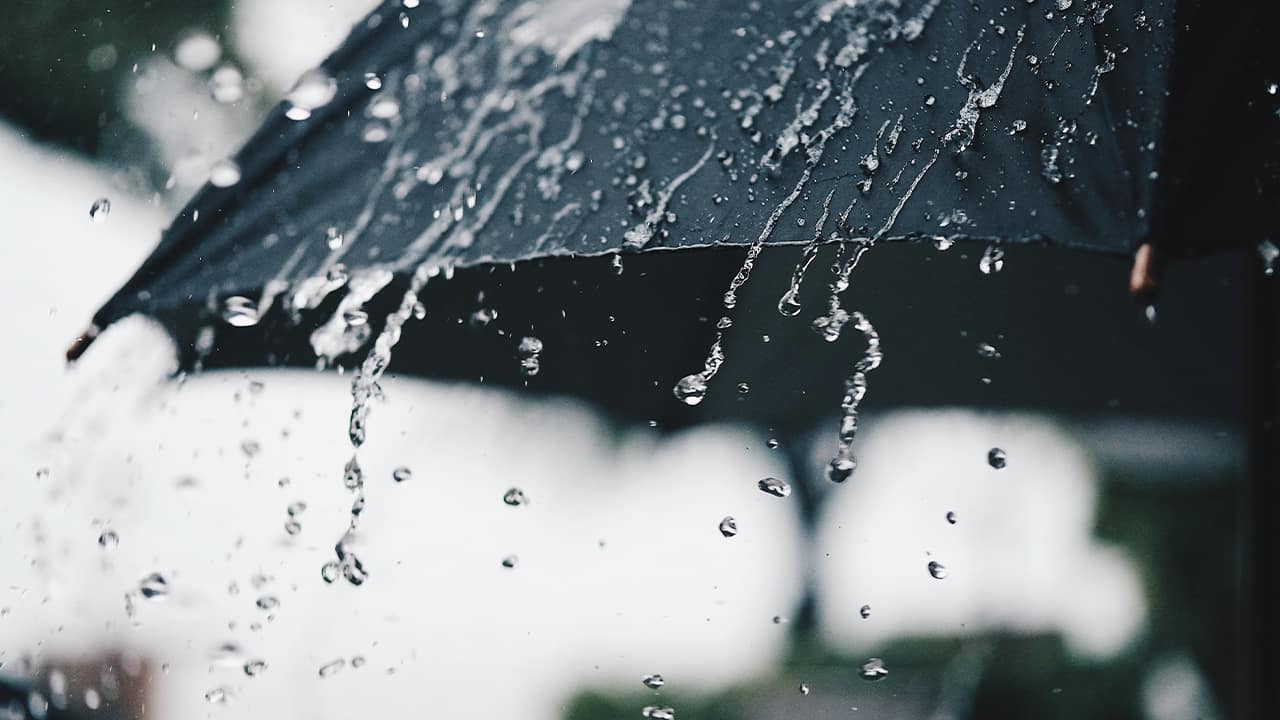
{"x":82,"y":343}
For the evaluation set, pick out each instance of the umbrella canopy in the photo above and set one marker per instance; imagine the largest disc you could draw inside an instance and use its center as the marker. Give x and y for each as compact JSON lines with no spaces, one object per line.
{"x":464,"y":140}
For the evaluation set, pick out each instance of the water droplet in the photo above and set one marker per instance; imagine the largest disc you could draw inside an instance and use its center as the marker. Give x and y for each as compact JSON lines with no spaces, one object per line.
{"x":937,"y":570}
{"x":402,"y":474}
{"x":996,"y":458}
{"x":841,"y":468}
{"x":296,"y":508}
{"x":951,"y":517}
{"x":528,"y":351}
{"x":1017,"y":126}
{"x":987,"y":350}
{"x":255,"y":667}
{"x":728,"y":526}
{"x":510,"y":561}
{"x":109,"y":539}
{"x":804,"y":688}
{"x":312,"y":91}
{"x":268,"y":602}
{"x":616,"y":264}
{"x":331,"y":668}
{"x":691,"y":389}
{"x":653,"y":681}
{"x":218,"y":696}
{"x":293,"y":527}
{"x":873,"y":669}
{"x":330,"y":571}
{"x":357,"y":661}
{"x":239,"y":311}
{"x":100,"y":209}
{"x":865,"y":611}
{"x":1064,"y":4}
{"x":154,"y":587}
{"x":743,"y":388}
{"x":333,"y":237}
{"x":774,"y":487}
{"x":224,"y":173}
{"x":372,"y":81}
{"x":658,"y":712}
{"x":514,"y":497}
{"x":992,"y":260}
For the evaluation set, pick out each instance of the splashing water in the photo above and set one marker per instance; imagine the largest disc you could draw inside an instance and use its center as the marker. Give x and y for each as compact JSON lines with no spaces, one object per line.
{"x":844,"y":463}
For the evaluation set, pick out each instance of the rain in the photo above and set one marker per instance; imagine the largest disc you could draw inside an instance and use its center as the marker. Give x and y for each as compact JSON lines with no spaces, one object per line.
{"x":413,"y":350}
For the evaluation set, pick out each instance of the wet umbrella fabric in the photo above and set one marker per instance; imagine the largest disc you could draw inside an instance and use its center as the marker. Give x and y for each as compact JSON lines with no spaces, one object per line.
{"x":452,"y":139}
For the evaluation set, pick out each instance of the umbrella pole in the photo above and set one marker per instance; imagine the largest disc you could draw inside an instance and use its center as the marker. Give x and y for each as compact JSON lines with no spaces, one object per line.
{"x":1260,"y":694}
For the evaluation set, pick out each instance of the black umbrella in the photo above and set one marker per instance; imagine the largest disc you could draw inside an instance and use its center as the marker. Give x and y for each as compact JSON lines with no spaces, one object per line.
{"x":506,"y":173}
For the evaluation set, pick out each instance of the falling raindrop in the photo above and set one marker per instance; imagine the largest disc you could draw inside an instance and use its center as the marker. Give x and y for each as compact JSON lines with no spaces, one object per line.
{"x":937,"y":570}
{"x":224,"y":173}
{"x":865,"y":611}
{"x":804,"y":688}
{"x":293,"y":527}
{"x":992,"y":260}
{"x":268,"y":602}
{"x":987,"y":350}
{"x":616,"y":264}
{"x":728,"y":526}
{"x":951,"y":517}
{"x":514,"y":497}
{"x":691,"y":389}
{"x":841,"y":468}
{"x":154,"y":587}
{"x":528,"y":352}
{"x":218,"y":696}
{"x":996,"y":458}
{"x":510,"y":561}
{"x":109,"y":539}
{"x":100,"y":209}
{"x":255,"y":667}
{"x":873,"y":669}
{"x":402,"y":474}
{"x":658,"y":712}
{"x":653,"y":681}
{"x":331,"y":668}
{"x":774,"y":487}
{"x":296,"y":508}
{"x":239,"y":311}
{"x":330,"y":572}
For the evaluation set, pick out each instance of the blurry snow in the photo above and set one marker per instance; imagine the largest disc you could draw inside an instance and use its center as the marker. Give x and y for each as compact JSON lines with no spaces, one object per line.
{"x":1020,"y":558}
